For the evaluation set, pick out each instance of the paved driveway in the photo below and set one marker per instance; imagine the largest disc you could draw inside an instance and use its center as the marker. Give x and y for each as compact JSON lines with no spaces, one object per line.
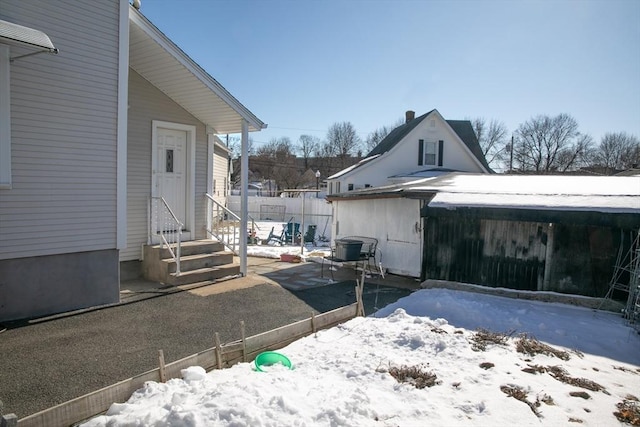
{"x":47,"y":362}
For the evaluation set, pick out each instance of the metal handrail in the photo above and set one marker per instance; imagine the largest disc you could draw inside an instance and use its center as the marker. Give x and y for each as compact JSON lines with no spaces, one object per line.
{"x":168,"y":227}
{"x":224,"y":225}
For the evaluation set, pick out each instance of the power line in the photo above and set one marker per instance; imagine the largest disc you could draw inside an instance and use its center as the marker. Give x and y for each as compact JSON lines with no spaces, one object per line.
{"x":306,"y":130}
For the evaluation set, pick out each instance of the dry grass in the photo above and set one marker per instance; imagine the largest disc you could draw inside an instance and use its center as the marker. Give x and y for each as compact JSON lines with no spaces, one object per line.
{"x":534,"y":369}
{"x":483,"y":337}
{"x":582,"y":394}
{"x":626,"y":370}
{"x":518,"y":393}
{"x":561,"y":375}
{"x":531,"y":346}
{"x":628,"y":412}
{"x":487,"y":365}
{"x":415,"y":376}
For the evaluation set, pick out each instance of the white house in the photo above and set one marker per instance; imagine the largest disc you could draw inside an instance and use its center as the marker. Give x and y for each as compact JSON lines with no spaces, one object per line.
{"x":424,"y":146}
{"x":88,"y":136}
{"x":367,"y":198}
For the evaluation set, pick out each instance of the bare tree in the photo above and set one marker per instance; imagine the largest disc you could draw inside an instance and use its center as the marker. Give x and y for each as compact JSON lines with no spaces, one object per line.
{"x":307,"y":146}
{"x":617,"y":151}
{"x":375,"y":137}
{"x":235,"y":145}
{"x":276,"y":160}
{"x":551,"y":144}
{"x":342,"y":139}
{"x":493,"y":140}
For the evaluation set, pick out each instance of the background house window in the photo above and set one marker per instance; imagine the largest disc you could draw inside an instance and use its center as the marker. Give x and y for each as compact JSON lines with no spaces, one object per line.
{"x":350,"y":187}
{"x":429,"y":153}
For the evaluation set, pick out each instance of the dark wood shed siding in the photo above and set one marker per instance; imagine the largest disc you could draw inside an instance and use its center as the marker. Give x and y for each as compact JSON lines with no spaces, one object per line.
{"x":513,"y":254}
{"x":491,"y":253}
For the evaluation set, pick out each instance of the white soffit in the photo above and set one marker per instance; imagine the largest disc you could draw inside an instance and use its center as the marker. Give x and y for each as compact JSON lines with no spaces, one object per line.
{"x":167,"y":67}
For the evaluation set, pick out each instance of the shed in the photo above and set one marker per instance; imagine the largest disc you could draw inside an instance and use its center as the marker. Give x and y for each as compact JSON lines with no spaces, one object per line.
{"x":553,"y":232}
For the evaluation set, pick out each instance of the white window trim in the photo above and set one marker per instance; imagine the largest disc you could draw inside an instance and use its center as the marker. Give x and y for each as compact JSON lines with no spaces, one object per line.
{"x":5,"y":118}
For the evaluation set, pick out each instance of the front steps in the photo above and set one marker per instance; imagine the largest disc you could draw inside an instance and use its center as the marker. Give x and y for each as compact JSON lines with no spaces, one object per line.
{"x":200,"y":261}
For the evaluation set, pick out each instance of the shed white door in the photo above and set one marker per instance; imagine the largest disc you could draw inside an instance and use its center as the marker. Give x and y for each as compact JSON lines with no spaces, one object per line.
{"x":171,"y":170}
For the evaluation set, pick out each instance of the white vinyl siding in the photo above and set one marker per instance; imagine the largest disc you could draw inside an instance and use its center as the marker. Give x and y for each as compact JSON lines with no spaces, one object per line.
{"x":147,"y":103}
{"x":63,"y":132}
{"x":220,"y":168}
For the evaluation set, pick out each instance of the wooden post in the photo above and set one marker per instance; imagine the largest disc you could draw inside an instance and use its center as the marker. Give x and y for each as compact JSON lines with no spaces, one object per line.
{"x":359,"y":292}
{"x":548,"y":259}
{"x":163,"y":369}
{"x":244,"y":341}
{"x":9,"y":420}
{"x":218,"y":351}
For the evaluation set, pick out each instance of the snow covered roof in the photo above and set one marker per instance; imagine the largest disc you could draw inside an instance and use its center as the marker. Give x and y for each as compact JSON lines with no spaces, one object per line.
{"x":554,"y":192}
{"x":613,"y":194}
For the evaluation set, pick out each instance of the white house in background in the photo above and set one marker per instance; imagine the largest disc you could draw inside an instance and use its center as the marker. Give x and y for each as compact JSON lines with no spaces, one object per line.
{"x":425,"y":146}
{"x":87,"y":137}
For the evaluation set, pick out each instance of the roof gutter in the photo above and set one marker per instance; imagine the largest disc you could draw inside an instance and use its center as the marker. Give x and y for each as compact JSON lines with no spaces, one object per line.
{"x":19,"y":35}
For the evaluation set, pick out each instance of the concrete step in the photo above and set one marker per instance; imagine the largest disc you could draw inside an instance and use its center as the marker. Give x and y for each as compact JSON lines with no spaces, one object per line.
{"x":192,"y":248}
{"x":204,"y":274}
{"x":198,"y":261}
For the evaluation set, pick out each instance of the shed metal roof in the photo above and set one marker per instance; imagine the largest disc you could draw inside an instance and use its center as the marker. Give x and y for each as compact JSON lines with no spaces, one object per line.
{"x":605,"y":194}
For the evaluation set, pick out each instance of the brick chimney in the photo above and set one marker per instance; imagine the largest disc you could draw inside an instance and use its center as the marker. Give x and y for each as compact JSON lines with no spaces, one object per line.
{"x":409,"y":115}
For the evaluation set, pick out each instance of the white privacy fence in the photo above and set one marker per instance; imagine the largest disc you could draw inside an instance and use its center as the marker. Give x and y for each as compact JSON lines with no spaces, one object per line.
{"x":289,"y":209}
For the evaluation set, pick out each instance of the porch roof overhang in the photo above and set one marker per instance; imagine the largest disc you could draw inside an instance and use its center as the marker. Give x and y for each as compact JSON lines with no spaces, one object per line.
{"x":19,"y":35}
{"x":161,"y":62}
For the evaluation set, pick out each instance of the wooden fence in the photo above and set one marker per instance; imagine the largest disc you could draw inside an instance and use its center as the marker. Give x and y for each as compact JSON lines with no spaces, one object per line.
{"x":218,"y":357}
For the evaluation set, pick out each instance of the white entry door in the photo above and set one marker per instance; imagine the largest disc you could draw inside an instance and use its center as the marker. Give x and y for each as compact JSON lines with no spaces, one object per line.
{"x":171,"y":170}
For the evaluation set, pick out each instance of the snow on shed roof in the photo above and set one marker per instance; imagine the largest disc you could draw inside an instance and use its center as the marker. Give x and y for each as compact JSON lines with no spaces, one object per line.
{"x":613,"y":194}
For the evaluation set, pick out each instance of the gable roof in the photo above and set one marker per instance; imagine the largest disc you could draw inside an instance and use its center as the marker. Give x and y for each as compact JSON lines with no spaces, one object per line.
{"x":465,"y":131}
{"x":462,"y":128}
{"x":396,"y":135}
{"x":161,"y":62}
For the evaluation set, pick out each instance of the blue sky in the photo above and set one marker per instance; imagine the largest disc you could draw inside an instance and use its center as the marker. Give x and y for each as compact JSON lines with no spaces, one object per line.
{"x":301,"y":66}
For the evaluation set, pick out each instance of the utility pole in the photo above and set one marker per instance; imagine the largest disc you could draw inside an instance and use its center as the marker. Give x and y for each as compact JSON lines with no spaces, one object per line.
{"x":511,"y":156}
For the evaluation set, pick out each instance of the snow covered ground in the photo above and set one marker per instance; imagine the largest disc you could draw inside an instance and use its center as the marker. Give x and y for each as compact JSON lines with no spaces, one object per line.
{"x":346,"y":376}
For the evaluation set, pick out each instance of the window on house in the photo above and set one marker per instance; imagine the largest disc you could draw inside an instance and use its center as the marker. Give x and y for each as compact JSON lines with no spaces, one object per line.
{"x":350,"y":187}
{"x":338,"y":187}
{"x":429,"y":153}
{"x":5,"y":119}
